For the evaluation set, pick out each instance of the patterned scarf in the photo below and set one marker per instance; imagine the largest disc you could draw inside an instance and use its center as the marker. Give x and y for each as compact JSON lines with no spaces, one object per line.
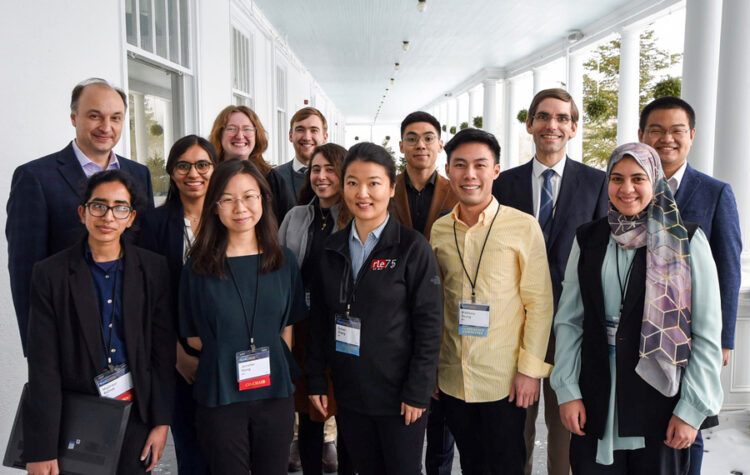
{"x":665,"y":342}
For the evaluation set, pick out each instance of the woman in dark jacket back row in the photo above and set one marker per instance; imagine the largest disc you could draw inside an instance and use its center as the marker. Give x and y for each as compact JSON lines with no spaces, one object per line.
{"x":376,"y":318}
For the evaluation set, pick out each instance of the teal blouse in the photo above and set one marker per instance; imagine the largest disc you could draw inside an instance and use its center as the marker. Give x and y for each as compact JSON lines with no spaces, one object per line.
{"x":210,"y":308}
{"x":700,"y":390}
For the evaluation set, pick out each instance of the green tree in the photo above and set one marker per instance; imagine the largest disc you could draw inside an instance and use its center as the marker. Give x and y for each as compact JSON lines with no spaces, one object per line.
{"x":600,"y":87}
{"x":667,"y":87}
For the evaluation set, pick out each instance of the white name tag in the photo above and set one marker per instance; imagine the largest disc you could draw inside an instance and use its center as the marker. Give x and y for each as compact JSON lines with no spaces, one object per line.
{"x":347,"y":334}
{"x":116,"y":383}
{"x":253,"y":368}
{"x":611,"y":336}
{"x":473,"y":318}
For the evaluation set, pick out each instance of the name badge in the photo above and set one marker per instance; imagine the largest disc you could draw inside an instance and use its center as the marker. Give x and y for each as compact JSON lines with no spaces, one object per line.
{"x":347,"y":334}
{"x":473,"y":318}
{"x":115,"y":383}
{"x":253,"y":368}
{"x":611,"y":336}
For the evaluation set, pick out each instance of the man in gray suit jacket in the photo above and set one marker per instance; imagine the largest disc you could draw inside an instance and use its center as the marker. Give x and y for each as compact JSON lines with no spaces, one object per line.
{"x":307,"y":129}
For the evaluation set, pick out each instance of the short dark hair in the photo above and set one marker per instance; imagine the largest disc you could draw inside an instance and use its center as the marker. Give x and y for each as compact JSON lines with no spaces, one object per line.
{"x":209,"y":252}
{"x":666,"y":102}
{"x":306,"y":112}
{"x":420,"y":116}
{"x":554,"y":93}
{"x":137,"y":201}
{"x":78,"y":90}
{"x":473,"y":136}
{"x":177,"y":150}
{"x":373,"y":153}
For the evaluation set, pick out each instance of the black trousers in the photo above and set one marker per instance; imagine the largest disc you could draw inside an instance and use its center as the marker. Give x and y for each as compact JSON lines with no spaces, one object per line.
{"x":382,"y":445}
{"x":310,"y":440}
{"x":136,"y":434}
{"x":489,"y":435}
{"x":654,"y":459}
{"x":228,"y":434}
{"x":438,"y":459}
{"x":190,"y":460}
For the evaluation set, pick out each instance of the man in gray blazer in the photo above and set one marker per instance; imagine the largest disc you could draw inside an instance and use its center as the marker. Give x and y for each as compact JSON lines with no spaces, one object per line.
{"x":307,"y":129}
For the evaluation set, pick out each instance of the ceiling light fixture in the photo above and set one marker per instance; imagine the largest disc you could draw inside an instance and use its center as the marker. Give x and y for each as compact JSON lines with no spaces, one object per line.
{"x":421,"y":6}
{"x":392,"y":80}
{"x":405,"y":45}
{"x":396,"y":66}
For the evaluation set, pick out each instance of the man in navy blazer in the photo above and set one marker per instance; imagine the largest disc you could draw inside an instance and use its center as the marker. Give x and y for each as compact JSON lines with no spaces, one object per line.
{"x":45,"y":193}
{"x":668,"y":125}
{"x":562,"y":194}
{"x":307,"y":129}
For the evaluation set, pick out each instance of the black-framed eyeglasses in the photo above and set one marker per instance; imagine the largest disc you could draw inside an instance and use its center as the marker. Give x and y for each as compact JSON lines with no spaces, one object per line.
{"x":98,"y":210}
{"x":201,"y":166}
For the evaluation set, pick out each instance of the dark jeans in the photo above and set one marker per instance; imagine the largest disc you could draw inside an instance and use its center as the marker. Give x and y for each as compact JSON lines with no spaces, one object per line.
{"x":489,"y":435}
{"x":190,"y":460}
{"x":696,"y":455}
{"x":382,"y":445}
{"x":655,"y":458}
{"x":229,"y":433}
{"x":438,"y":458}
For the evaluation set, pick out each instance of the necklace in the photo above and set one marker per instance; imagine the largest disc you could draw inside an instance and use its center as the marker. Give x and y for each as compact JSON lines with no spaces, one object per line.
{"x":323,"y":218}
{"x":193,"y":219}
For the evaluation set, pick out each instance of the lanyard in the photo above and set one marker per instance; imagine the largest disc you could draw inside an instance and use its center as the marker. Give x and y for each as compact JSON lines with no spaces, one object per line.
{"x":619,"y":279}
{"x":250,"y":326}
{"x":481,"y":253}
{"x":107,"y":342}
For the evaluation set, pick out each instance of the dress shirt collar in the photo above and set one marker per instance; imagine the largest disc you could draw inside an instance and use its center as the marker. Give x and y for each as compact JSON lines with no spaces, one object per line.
{"x":297,"y":166}
{"x":375,"y":233}
{"x":485,"y":217}
{"x":538,"y":167}
{"x":431,"y":181}
{"x":89,"y":167}
{"x":679,"y":174}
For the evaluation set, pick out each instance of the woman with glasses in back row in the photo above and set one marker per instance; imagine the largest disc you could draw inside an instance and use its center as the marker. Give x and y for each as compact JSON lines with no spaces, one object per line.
{"x":100,"y":312}
{"x":170,"y":230}
{"x":240,"y":293}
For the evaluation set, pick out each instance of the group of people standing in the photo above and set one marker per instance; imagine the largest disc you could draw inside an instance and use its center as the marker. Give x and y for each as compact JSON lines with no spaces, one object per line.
{"x":403,"y":303}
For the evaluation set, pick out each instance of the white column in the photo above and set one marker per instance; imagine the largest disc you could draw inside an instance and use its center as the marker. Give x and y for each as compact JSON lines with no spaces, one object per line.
{"x":139,"y":119}
{"x":457,"y":113}
{"x":489,"y":111}
{"x":575,"y":88}
{"x":700,"y":75}
{"x":472,"y":110}
{"x":510,"y":139}
{"x":444,"y":115}
{"x":539,"y":79}
{"x":628,"y":95}
{"x":732,"y":103}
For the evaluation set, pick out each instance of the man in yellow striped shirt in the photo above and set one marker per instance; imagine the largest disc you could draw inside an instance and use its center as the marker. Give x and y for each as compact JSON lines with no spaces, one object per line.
{"x":498,"y":310}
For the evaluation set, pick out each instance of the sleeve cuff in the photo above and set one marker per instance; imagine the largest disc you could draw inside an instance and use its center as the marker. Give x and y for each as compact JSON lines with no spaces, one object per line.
{"x":567,"y":393}
{"x":689,"y":414}
{"x":532,"y":366}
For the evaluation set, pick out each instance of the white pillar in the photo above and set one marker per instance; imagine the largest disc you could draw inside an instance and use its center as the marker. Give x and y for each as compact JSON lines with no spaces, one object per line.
{"x":457,"y":113}
{"x":489,"y":111}
{"x":444,"y":115}
{"x":510,"y":139}
{"x":700,"y":75}
{"x":539,"y":79}
{"x":732,"y":104}
{"x":472,"y":110}
{"x":575,"y":89}
{"x":139,"y":119}
{"x":628,"y":95}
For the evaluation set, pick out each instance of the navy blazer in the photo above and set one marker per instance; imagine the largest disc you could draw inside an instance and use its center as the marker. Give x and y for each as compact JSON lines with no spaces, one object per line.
{"x":582,"y":198}
{"x":43,"y":219}
{"x":710,"y":203}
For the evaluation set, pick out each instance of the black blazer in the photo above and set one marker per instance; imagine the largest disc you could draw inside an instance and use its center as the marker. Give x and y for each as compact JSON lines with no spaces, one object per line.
{"x":65,"y":346}
{"x":582,"y":198}
{"x":43,"y":219}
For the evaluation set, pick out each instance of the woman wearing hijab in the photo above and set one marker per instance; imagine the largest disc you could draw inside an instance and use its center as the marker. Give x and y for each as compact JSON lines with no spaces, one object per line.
{"x":638,"y":349}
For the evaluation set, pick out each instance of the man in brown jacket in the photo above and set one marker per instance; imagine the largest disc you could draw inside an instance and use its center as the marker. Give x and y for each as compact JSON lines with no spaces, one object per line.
{"x":422,"y":196}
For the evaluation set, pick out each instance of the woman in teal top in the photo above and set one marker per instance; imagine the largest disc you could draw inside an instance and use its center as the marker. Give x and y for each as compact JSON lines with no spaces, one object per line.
{"x":638,"y":328}
{"x":240,"y":293}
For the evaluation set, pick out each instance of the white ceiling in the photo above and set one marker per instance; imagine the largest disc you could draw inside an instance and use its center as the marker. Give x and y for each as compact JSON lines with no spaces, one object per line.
{"x":350,"y":46}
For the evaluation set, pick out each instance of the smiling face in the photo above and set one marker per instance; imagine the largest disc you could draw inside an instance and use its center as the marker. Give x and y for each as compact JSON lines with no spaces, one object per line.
{"x":630,"y":190}
{"x":238,"y":137}
{"x":242,"y":205}
{"x":420,"y":145}
{"x":550,"y":129}
{"x":471,"y":170}
{"x":106,"y":229}
{"x":368,"y":191}
{"x":324,"y":180}
{"x":98,"y":120}
{"x":668,"y":131}
{"x":193,"y":185}
{"x":305,"y":136}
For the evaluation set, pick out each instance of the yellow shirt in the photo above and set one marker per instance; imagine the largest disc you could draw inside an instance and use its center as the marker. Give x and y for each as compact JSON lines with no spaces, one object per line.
{"x":514,"y":280}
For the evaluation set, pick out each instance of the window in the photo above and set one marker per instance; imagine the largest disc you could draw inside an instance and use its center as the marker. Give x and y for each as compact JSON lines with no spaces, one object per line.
{"x":159,"y":27}
{"x":242,"y":69}
{"x":281,"y":126}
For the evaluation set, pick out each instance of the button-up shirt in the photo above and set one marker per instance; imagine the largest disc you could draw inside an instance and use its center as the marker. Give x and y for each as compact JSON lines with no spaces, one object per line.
{"x":514,"y":281}
{"x":420,"y":201}
{"x":89,"y":167}
{"x":537,"y":182}
{"x":107,"y":277}
{"x":358,"y":251}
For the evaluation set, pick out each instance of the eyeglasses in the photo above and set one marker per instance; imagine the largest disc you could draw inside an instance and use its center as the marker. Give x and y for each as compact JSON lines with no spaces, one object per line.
{"x":545,"y":117}
{"x":658,"y":132}
{"x":201,"y":166}
{"x":98,"y":210}
{"x":233,"y":129}
{"x":413,"y":140}
{"x":229,"y":203}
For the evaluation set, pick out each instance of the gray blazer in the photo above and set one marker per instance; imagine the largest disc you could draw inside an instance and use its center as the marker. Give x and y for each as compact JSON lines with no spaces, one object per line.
{"x":294,"y":230}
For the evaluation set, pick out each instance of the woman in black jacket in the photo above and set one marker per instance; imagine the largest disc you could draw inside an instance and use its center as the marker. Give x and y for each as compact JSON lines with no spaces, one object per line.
{"x":169,"y":230}
{"x":100,"y":306}
{"x":376,"y":319}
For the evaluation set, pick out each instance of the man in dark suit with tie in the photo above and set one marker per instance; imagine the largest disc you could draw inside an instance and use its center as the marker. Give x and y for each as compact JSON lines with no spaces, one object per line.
{"x":45,"y":193}
{"x":668,"y":125}
{"x":562,"y":194}
{"x":307,"y":129}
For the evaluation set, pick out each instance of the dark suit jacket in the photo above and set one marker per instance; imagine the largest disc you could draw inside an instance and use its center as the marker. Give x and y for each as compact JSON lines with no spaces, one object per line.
{"x":582,"y":198}
{"x":294,"y":181}
{"x":710,"y":203}
{"x":443,"y":201}
{"x":42,"y":216}
{"x":65,"y":341}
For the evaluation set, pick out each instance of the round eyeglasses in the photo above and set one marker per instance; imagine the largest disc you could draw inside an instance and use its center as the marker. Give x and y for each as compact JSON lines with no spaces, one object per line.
{"x":98,"y":210}
{"x":201,"y":166}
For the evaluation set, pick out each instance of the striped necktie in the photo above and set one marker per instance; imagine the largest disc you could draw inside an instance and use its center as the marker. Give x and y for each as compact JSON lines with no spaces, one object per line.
{"x":545,"y":203}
